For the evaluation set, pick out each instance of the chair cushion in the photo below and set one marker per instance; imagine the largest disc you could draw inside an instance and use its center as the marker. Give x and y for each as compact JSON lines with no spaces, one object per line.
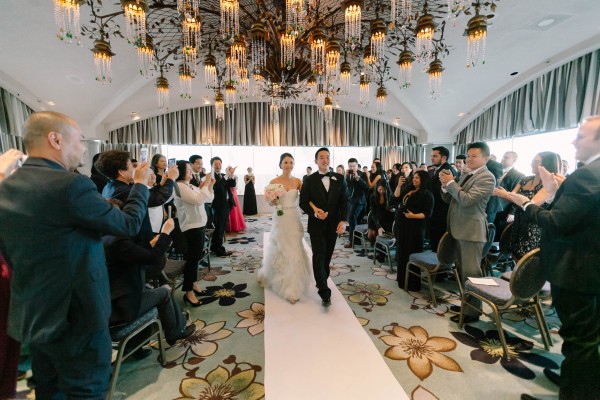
{"x":544,"y":292}
{"x":362,"y":228}
{"x":427,"y":260}
{"x":386,"y":241}
{"x":119,"y":332}
{"x":498,"y":295}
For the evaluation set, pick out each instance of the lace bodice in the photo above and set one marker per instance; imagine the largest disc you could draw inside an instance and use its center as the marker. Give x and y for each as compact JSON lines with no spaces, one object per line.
{"x":290,"y":200}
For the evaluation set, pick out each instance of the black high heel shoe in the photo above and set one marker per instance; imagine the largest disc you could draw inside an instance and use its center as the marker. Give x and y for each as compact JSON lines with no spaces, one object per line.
{"x":186,"y":300}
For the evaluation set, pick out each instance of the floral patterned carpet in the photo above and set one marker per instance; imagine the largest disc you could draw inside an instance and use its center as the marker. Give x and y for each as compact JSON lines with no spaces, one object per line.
{"x":430,"y":357}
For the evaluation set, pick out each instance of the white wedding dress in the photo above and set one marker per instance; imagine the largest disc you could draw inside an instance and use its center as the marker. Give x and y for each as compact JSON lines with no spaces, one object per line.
{"x":286,"y":268}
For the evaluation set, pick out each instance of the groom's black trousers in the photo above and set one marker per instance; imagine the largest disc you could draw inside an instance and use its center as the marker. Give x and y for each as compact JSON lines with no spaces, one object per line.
{"x":322,"y":249}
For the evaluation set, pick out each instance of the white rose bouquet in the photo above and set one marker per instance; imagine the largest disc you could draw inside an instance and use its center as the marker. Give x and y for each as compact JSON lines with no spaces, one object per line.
{"x":273,"y":193}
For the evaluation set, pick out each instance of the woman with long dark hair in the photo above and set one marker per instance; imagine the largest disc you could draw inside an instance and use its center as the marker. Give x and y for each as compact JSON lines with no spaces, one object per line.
{"x":414,"y":208}
{"x":525,"y":235}
{"x":191,"y":213}
{"x":158,"y":164}
{"x":250,"y":207}
{"x":380,"y":219}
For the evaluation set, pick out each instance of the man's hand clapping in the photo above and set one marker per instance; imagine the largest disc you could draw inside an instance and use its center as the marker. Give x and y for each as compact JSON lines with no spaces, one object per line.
{"x":446,"y":177}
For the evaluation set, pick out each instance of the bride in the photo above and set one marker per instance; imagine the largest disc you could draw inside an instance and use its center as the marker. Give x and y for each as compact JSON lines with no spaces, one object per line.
{"x":286,"y":269}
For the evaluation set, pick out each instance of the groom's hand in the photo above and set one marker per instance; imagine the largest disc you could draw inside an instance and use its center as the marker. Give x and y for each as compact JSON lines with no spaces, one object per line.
{"x":341,"y":228}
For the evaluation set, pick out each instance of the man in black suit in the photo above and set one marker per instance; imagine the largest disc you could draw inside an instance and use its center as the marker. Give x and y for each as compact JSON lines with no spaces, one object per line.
{"x":52,"y":221}
{"x":196,"y":165}
{"x":509,"y":179}
{"x":461,"y":163}
{"x":438,"y":220}
{"x":357,"y":189}
{"x":324,"y":197}
{"x":221,"y":205}
{"x":570,"y":256}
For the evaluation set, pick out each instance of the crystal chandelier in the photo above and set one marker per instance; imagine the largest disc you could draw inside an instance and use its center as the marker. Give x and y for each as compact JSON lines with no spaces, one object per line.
{"x":345,"y":74}
{"x":146,"y":57}
{"x":476,"y":38}
{"x":135,"y":20}
{"x":191,"y":41}
{"x":333,"y":59}
{"x":210,"y":71}
{"x":219,"y":106}
{"x":66,"y":16}
{"x":317,"y":51}
{"x":244,"y":83}
{"x":162,"y":89}
{"x":352,"y":19}
{"x":405,"y":63}
{"x":435,"y":78}
{"x":288,"y":46}
{"x":378,"y":33}
{"x":257,"y":87}
{"x":185,"y":6}
{"x":328,"y":109}
{"x":238,"y":52}
{"x":185,"y":82}
{"x":230,"y":94}
{"x":364,"y":90}
{"x":400,"y":11}
{"x":102,"y":60}
{"x":230,"y":18}
{"x":294,"y":11}
{"x":369,"y":63}
{"x":258,"y":44}
{"x":381,"y":100}
{"x":424,"y":32}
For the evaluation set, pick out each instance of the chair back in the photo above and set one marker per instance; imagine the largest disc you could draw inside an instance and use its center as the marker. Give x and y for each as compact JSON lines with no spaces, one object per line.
{"x":504,"y":241}
{"x":446,"y":251}
{"x":491,"y":228}
{"x":527,"y":279}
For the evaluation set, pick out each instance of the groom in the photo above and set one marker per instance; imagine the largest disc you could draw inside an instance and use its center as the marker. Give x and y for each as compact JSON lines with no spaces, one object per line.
{"x":324,"y":198}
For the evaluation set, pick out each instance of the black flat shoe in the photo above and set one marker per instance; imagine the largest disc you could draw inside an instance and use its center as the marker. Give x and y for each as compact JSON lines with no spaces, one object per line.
{"x":186,"y":300}
{"x":466,"y":319}
{"x":455,"y":309}
{"x":326,"y":302}
{"x":185,"y":333}
{"x":141,"y":353}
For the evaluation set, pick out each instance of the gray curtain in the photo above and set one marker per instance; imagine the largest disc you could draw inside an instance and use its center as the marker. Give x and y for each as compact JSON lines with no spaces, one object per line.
{"x":249,"y":124}
{"x":559,"y":99}
{"x":390,"y":155}
{"x":13,"y":113}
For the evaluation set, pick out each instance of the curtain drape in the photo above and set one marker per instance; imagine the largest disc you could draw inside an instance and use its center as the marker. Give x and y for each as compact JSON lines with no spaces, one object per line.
{"x":390,"y":155}
{"x":13,"y":113}
{"x":559,"y":99}
{"x":249,"y":124}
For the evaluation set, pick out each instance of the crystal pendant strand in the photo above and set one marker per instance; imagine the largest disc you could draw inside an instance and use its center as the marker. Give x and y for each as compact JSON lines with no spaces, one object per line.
{"x":327,"y":109}
{"x":425,"y":30}
{"x":435,"y":78}
{"x":184,"y":6}
{"x":288,"y":46}
{"x":102,"y":60}
{"x":378,"y":36}
{"x":294,"y":10}
{"x":345,"y":76}
{"x":258,"y":44}
{"x":162,"y":89}
{"x":405,"y":63}
{"x":185,"y":82}
{"x":317,"y":51}
{"x":476,"y":38}
{"x":333,"y":61}
{"x":66,"y":16}
{"x":244,"y":83}
{"x":210,"y":71}
{"x":230,"y":95}
{"x":381,"y":100}
{"x":257,"y":85}
{"x":146,"y":57}
{"x":364,"y":90}
{"x":219,"y":106}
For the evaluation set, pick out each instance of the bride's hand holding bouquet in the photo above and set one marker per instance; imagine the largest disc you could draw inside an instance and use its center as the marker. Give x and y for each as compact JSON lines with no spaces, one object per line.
{"x":273,"y":193}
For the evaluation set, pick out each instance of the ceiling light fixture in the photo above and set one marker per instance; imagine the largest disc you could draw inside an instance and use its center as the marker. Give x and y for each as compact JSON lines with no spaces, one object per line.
{"x":66,"y":16}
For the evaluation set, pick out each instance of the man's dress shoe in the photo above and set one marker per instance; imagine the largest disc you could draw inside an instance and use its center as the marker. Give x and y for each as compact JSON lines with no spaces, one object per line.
{"x":326,"y":302}
{"x":466,"y":319}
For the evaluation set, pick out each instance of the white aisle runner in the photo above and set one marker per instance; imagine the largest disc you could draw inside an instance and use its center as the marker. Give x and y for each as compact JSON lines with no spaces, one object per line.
{"x":317,"y":354}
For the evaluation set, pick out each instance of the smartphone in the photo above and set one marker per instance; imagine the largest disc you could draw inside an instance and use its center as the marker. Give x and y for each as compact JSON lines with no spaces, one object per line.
{"x":172,"y":162}
{"x":143,"y":155}
{"x":169,"y":208}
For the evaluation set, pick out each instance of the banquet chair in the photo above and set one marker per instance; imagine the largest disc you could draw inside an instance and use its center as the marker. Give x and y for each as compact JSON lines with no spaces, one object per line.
{"x":361,"y":233}
{"x":122,"y":334}
{"x":385,"y":245}
{"x":522,"y":292}
{"x":433,"y":264}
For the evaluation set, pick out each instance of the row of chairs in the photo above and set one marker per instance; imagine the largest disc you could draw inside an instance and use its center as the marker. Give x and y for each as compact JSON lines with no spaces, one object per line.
{"x":520,"y":289}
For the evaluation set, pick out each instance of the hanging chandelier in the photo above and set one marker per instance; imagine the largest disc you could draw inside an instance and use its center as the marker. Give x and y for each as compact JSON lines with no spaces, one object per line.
{"x":66,"y":16}
{"x":162,"y":89}
{"x":476,"y":38}
{"x":381,"y":100}
{"x":219,"y":106}
{"x":286,"y":51}
{"x":435,"y":78}
{"x":328,"y":109}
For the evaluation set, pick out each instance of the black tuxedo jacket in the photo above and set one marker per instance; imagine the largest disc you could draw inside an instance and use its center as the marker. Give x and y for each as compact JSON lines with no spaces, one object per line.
{"x":52,"y":222}
{"x":357,"y":189}
{"x":440,"y":208}
{"x":223,"y":196}
{"x":334,"y":201}
{"x":125,"y":261}
{"x":570,"y":232}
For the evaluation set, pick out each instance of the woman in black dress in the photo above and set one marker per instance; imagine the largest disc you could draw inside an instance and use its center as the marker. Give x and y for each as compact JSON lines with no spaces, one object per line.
{"x":249,"y":194}
{"x":159,"y":166}
{"x":380,"y":219}
{"x":415,"y":207}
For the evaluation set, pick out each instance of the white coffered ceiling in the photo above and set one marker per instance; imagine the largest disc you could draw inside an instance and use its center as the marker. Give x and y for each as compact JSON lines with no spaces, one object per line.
{"x":41,"y":69}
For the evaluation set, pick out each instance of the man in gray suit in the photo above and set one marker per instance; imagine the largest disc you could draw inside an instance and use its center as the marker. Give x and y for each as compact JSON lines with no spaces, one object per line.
{"x":52,"y":222}
{"x":467,"y":221}
{"x":570,"y":255}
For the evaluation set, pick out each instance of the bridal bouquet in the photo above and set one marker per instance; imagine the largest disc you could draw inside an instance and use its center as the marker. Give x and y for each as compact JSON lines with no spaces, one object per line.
{"x":272,"y":193}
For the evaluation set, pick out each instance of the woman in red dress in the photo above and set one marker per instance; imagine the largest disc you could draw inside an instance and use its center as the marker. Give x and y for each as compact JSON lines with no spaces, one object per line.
{"x":236,"y":218}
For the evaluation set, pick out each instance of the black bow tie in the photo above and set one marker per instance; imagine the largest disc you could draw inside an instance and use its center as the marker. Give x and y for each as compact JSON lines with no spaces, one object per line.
{"x":325,"y":174}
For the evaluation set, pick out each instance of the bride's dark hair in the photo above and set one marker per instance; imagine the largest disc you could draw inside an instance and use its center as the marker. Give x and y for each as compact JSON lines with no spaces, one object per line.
{"x":284,"y":155}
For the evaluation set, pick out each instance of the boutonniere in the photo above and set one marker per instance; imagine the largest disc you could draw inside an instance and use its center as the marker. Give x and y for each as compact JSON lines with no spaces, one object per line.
{"x":334,"y":178}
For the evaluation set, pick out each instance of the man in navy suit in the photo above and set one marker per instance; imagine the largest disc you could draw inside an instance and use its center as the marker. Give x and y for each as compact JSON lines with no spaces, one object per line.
{"x":571,"y":259}
{"x":52,"y":222}
{"x":324,"y":197}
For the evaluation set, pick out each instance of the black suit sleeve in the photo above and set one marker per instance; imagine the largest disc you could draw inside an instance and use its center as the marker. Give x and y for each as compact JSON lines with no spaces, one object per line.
{"x":160,"y":194}
{"x":428,"y":203}
{"x":127,"y":251}
{"x":305,"y":196}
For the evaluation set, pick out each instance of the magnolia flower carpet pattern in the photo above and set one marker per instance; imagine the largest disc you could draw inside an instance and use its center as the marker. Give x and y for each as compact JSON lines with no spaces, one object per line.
{"x":428,"y":354}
